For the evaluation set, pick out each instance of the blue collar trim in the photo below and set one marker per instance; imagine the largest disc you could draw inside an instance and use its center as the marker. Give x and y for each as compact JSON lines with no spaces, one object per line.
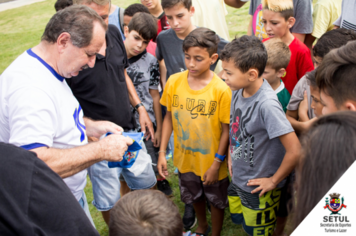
{"x":60,"y":78}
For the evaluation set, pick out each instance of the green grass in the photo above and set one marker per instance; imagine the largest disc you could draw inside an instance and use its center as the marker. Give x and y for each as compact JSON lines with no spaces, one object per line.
{"x":21,"y":29}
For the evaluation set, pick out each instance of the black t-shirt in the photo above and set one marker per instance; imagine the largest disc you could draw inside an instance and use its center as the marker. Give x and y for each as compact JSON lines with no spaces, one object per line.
{"x":102,"y":90}
{"x":35,"y":200}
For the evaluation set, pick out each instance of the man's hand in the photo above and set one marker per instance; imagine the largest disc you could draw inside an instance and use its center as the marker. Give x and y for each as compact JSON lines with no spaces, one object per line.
{"x":113,"y":147}
{"x":162,"y":165}
{"x":157,"y":141}
{"x":98,"y":128}
{"x":265,"y":185}
{"x":145,"y":121}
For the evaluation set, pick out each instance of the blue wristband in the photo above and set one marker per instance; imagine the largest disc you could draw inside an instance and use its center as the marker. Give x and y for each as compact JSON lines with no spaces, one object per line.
{"x":222,"y":158}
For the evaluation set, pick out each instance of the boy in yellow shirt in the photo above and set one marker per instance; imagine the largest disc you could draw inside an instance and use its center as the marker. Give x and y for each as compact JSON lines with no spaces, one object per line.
{"x":198,"y":111}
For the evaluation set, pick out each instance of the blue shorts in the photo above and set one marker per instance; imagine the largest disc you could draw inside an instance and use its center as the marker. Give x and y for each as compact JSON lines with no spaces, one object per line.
{"x":84,"y":204}
{"x":106,"y":184}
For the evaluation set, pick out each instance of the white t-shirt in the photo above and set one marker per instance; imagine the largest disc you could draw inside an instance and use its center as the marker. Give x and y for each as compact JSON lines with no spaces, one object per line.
{"x":37,"y":108}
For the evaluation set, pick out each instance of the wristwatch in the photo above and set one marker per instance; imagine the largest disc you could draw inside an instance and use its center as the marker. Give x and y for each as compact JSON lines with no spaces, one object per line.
{"x":138,"y":105}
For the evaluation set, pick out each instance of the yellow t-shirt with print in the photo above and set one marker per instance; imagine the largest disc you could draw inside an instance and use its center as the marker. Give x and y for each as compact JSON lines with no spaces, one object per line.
{"x":196,"y":118}
{"x":325,"y":13}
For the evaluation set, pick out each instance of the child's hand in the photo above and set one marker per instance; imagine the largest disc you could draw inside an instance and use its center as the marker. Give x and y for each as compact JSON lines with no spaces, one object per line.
{"x":157,"y":141}
{"x":211,"y":176}
{"x":303,"y":108}
{"x":265,"y":185}
{"x":162,"y":165}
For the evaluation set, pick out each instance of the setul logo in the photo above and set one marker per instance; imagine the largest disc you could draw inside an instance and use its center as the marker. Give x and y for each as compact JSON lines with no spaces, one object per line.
{"x":335,"y":222}
{"x":335,"y":205}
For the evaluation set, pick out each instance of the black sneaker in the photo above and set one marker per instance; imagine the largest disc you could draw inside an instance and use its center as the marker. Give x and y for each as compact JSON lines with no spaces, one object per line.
{"x":189,"y":220}
{"x":163,"y":186}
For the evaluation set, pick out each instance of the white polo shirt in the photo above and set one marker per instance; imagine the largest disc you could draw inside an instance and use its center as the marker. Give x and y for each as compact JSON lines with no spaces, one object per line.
{"x":37,"y":108}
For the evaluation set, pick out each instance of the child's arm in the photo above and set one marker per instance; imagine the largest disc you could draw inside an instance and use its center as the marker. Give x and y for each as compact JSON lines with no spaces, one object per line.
{"x":158,"y":114}
{"x":144,"y":119}
{"x":290,"y":160}
{"x":163,"y":72}
{"x":303,"y":109}
{"x":299,"y":126}
{"x":166,"y":134}
{"x":211,"y":176}
{"x":229,"y":162}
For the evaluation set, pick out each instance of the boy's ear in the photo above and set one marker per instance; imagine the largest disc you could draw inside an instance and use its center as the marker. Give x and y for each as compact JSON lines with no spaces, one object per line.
{"x":291,"y":22}
{"x":252,"y":74}
{"x":281,"y":72}
{"x":350,"y":105}
{"x":192,"y":11}
{"x":126,"y":31}
{"x":214,"y":58}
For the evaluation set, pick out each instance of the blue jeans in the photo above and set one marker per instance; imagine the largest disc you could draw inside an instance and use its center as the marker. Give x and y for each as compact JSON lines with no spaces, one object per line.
{"x":106,"y":184}
{"x":84,"y":204}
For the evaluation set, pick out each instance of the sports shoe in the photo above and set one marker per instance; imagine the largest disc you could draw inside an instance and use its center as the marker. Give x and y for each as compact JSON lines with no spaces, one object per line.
{"x":164,"y":187}
{"x":189,"y":219}
{"x":207,"y":232}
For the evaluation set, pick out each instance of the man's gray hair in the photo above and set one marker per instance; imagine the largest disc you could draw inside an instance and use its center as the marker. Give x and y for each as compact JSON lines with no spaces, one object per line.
{"x":78,"y":21}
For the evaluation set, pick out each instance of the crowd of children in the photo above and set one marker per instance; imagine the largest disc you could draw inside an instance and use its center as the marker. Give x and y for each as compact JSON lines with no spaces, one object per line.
{"x":247,"y":130}
{"x":236,"y":133}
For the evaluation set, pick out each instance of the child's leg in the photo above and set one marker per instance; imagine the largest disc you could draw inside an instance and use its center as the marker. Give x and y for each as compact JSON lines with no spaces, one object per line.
{"x":217,"y":220}
{"x":191,"y":192}
{"x":217,"y":196}
{"x":284,"y":206}
{"x":200,"y":212}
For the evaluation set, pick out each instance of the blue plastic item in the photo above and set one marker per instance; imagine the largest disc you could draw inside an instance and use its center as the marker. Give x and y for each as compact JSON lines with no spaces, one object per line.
{"x":132,"y":151}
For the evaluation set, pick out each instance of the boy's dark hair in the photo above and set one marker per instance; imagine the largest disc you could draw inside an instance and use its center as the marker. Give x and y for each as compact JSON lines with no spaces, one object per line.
{"x":61,"y":4}
{"x":166,"y":4}
{"x":328,"y":151}
{"x":134,"y":8}
{"x":246,"y":52}
{"x":144,"y":24}
{"x":336,"y":74}
{"x":145,"y":213}
{"x":278,"y":54}
{"x":284,"y":7}
{"x":311,"y":77}
{"x":333,"y":39}
{"x":203,"y":38}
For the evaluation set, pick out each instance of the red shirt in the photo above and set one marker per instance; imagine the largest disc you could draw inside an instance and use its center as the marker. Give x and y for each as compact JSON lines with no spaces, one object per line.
{"x":151,"y":48}
{"x":162,"y":24}
{"x":300,"y":63}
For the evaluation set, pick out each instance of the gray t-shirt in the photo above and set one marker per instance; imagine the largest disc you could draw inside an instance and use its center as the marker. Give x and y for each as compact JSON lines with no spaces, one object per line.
{"x":302,"y":14}
{"x":114,"y":19}
{"x":347,"y":18}
{"x":298,"y":96}
{"x":256,"y":124}
{"x":170,"y":48}
{"x":144,"y":72}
